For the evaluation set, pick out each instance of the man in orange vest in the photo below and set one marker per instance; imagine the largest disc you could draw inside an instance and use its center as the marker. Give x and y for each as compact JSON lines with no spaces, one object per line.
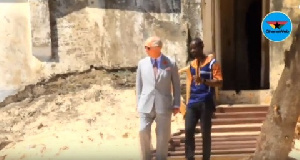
{"x":203,"y":75}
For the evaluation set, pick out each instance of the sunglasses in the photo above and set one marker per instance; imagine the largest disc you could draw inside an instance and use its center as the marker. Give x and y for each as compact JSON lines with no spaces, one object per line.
{"x":148,"y":48}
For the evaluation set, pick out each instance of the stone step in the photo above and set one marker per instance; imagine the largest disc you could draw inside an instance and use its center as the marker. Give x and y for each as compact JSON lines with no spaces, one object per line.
{"x":246,"y":133}
{"x":241,"y":105}
{"x":198,"y":138}
{"x":225,"y":143}
{"x":214,"y":157}
{"x":233,"y":121}
{"x":218,"y":147}
{"x":235,"y":129}
{"x":230,"y":128}
{"x":240,"y":115}
{"x":241,"y":108}
{"x":216,"y":152}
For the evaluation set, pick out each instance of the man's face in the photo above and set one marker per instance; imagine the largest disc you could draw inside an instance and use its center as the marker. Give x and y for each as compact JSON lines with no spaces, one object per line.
{"x":196,"y":49}
{"x":153,"y":52}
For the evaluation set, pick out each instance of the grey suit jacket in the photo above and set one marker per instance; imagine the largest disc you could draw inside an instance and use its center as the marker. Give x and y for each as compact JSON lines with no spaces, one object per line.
{"x":151,"y":90}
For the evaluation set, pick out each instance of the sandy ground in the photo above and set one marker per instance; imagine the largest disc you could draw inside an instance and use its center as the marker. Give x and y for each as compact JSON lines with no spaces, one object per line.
{"x":87,"y":116}
{"x":97,"y":123}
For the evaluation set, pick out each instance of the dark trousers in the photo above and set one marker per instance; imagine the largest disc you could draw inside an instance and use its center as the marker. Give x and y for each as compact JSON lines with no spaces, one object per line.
{"x":196,"y":112}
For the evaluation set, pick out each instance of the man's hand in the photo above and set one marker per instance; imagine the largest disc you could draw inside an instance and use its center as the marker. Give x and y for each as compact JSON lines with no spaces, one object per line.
{"x":198,"y":80}
{"x":175,"y":111}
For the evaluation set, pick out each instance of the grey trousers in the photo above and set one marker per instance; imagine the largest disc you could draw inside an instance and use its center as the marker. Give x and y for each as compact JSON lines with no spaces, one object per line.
{"x":163,"y":134}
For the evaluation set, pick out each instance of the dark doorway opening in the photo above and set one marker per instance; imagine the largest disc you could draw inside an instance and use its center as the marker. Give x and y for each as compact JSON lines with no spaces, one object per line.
{"x":253,"y":33}
{"x":241,"y":48}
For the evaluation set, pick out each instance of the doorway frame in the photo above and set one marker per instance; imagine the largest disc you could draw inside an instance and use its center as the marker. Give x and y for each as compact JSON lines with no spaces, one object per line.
{"x":212,"y":42}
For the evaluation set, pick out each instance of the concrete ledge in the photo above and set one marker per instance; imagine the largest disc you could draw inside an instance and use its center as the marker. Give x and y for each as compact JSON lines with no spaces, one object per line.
{"x":245,"y":97}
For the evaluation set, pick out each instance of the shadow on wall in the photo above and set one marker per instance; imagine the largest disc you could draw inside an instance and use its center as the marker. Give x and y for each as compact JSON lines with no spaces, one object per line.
{"x":145,"y":6}
{"x":61,"y":8}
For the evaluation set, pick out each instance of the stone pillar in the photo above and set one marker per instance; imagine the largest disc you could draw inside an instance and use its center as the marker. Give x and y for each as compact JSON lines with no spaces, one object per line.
{"x":40,"y":29}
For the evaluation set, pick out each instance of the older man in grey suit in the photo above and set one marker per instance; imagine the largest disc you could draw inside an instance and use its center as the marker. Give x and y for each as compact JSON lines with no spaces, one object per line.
{"x":156,"y":76}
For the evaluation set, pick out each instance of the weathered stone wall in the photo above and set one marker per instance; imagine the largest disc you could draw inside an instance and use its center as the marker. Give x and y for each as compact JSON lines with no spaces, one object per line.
{"x":40,"y":29}
{"x":17,"y":66}
{"x":111,"y":33}
{"x":98,"y":33}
